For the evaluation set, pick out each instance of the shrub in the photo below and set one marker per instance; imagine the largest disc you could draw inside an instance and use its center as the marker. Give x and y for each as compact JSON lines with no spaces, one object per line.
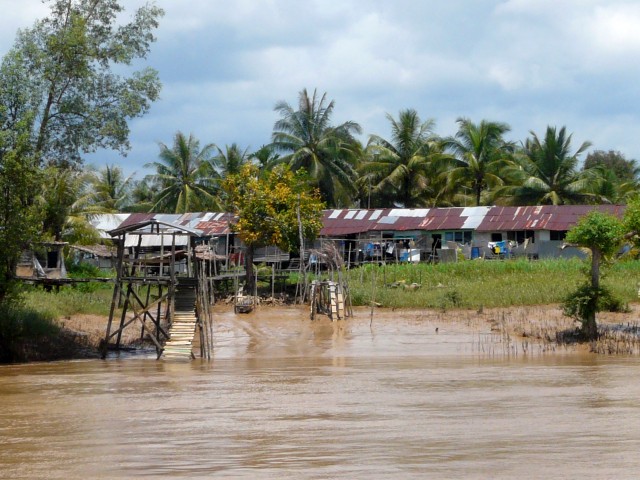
{"x":19,"y":324}
{"x":585,"y":301}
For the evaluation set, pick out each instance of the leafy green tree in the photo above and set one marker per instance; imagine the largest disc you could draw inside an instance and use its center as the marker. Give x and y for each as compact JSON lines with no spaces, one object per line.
{"x":545,"y":172}
{"x":632,"y":221}
{"x":61,"y":72}
{"x":272,"y":210}
{"x":183,"y":173}
{"x":602,"y":234}
{"x":20,"y":182}
{"x":620,"y":178}
{"x":479,"y":151}
{"x":308,"y":140}
{"x":401,"y":170}
{"x":623,"y":169}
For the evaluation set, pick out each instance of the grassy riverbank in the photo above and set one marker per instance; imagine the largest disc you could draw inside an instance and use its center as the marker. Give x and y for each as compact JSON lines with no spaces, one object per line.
{"x":472,"y":284}
{"x":34,"y":328}
{"x":467,"y":284}
{"x":55,"y":325}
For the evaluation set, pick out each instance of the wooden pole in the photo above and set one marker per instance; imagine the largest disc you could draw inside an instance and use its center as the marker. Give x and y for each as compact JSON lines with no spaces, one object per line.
{"x":301,"y":271}
{"x":116,"y":294}
{"x":373,"y":295}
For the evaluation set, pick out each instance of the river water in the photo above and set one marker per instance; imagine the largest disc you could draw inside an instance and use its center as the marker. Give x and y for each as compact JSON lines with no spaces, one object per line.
{"x":284,"y":398}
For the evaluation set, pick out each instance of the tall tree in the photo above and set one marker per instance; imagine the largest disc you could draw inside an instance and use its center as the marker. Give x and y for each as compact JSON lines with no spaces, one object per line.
{"x":65,"y":207}
{"x":545,"y":172}
{"x":107,"y":189}
{"x":229,"y":161}
{"x":265,"y":158}
{"x":401,"y":170}
{"x":625,"y":170}
{"x":272,"y":210}
{"x":620,"y":177}
{"x":143,"y":193}
{"x":20,"y":216}
{"x":61,"y":72}
{"x":308,"y":140}
{"x":183,"y":174}
{"x":479,"y":151}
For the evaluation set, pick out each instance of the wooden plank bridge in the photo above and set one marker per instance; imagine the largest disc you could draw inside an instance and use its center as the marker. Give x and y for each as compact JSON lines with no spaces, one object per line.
{"x":184,"y":322}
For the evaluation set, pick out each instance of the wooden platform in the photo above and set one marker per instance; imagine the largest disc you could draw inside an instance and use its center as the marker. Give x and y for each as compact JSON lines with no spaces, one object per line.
{"x":183,"y":326}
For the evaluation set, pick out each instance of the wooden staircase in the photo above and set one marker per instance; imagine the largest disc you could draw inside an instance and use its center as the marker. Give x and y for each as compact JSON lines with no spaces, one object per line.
{"x":183,"y":326}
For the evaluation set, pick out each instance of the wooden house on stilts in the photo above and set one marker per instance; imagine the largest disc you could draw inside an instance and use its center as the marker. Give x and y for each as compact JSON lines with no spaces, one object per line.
{"x":161,"y":284}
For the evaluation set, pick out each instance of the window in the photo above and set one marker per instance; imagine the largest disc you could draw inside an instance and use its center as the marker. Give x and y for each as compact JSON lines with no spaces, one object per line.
{"x":496,"y":237}
{"x":458,"y":237}
{"x":557,"y":235}
{"x":520,"y":235}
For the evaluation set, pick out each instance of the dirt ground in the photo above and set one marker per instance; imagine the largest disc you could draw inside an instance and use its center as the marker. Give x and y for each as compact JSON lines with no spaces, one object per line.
{"x":540,"y":323}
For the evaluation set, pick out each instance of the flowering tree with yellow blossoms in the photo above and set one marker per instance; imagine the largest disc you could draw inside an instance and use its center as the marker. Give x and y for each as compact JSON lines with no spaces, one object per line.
{"x":273,"y":210}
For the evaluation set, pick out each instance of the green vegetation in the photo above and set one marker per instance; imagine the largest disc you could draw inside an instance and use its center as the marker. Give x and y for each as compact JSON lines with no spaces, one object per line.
{"x":68,"y":87}
{"x":70,"y":301}
{"x":475,"y":284}
{"x":19,"y":324}
{"x":279,"y":209}
{"x":602,"y":235}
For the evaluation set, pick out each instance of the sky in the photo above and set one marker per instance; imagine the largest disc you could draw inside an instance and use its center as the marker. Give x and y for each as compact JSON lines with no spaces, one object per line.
{"x":528,"y":63}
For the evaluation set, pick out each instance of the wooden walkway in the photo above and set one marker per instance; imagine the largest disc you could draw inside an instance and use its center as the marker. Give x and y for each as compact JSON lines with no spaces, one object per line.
{"x":183,"y":326}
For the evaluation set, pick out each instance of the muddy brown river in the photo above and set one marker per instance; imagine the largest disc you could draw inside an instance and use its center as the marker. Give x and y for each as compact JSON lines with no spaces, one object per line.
{"x":284,"y":398}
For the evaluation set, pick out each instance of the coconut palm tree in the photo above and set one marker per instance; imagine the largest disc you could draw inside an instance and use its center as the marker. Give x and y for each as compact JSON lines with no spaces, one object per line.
{"x":65,"y":210}
{"x":265,"y":158}
{"x":308,"y":140}
{"x":229,"y":161}
{"x":143,"y":193}
{"x":478,"y":152}
{"x":107,"y":189}
{"x":545,"y":172}
{"x":400,"y":170}
{"x":183,"y":175}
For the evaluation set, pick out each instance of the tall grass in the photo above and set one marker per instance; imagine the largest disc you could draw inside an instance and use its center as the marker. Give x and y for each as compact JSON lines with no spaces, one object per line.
{"x":476,"y":284}
{"x":465,"y":284}
{"x":18,"y":324}
{"x":70,"y":301}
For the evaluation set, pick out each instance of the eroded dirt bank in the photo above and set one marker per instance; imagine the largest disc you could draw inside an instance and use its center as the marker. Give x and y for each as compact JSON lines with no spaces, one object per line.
{"x":519,"y":327}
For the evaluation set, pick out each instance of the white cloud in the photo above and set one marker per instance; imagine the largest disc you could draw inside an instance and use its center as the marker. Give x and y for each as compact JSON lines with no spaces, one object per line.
{"x":529,"y":63}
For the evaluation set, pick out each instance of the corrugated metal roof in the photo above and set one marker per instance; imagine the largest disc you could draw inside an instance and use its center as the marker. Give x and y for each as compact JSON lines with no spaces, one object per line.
{"x":338,"y":223}
{"x":216,"y":224}
{"x":134,"y":219}
{"x":106,"y":222}
{"x":131,"y":240}
{"x":545,"y":217}
{"x":342,"y":222}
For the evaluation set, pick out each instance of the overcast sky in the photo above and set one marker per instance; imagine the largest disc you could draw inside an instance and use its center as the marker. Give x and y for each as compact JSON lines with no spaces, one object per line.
{"x":528,"y":63}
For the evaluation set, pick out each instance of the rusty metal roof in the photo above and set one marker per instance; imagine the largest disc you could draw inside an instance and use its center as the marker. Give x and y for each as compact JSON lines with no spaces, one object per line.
{"x":216,"y":224}
{"x":545,"y":217}
{"x":337,"y":223}
{"x":343,"y":222}
{"x":206,"y":223}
